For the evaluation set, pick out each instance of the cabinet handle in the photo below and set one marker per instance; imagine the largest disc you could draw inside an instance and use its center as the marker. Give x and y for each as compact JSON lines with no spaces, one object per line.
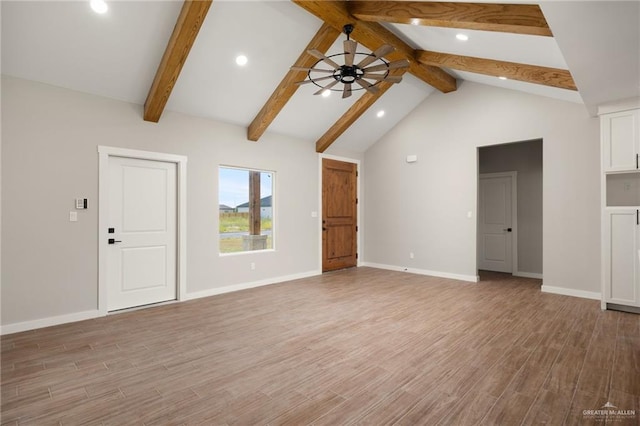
{"x":638,"y":217}
{"x":637,"y":162}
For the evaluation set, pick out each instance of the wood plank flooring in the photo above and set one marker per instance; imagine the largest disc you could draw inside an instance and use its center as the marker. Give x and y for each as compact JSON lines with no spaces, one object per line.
{"x":359,"y":346}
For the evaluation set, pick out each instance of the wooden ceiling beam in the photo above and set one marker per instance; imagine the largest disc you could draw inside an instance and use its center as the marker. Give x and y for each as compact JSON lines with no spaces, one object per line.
{"x":357,"y":109}
{"x":322,"y":41}
{"x":510,"y":18}
{"x":553,"y":77}
{"x":373,"y":35}
{"x":184,"y":35}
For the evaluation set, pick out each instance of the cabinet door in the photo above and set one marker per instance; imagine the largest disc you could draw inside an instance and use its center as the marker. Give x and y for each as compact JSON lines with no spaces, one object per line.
{"x":620,"y":140}
{"x":622,"y":261}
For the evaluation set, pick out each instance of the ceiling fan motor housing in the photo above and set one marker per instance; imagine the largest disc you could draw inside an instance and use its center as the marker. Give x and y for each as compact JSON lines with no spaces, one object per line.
{"x":348,"y":74}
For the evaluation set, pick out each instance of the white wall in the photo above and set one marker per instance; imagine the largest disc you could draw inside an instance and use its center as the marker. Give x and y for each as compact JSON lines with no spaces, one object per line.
{"x":422,"y":207}
{"x":526,"y":159}
{"x":50,"y":137}
{"x":0,"y":180}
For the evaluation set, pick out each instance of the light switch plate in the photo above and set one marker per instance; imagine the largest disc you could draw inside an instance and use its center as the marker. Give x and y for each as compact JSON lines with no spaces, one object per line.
{"x":81,"y":203}
{"x":73,"y":216}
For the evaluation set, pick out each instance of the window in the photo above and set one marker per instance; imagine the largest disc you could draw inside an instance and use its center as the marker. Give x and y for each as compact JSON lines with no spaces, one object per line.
{"x":245,"y":210}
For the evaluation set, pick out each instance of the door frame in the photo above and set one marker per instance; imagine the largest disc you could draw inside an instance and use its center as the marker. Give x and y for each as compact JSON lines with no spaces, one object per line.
{"x":359,"y":248}
{"x":104,"y":152}
{"x":514,"y":217}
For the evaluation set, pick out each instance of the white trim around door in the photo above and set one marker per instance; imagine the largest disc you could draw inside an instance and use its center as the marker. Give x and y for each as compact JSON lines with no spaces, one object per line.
{"x":104,"y":152}
{"x":359,"y":197}
{"x":514,"y":215}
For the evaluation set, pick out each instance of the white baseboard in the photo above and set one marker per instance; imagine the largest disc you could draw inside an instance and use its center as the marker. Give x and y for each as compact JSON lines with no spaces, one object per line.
{"x":528,"y":275}
{"x":470,"y":278}
{"x":243,"y":286}
{"x":571,"y":292}
{"x":80,"y":316}
{"x":17,"y":327}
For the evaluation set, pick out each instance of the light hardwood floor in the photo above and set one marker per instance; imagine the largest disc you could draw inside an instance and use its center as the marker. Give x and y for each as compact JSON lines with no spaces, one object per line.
{"x":361,"y":346}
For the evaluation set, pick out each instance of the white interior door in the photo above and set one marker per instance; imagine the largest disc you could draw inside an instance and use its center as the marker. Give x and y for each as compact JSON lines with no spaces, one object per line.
{"x":141,"y":259}
{"x":495,"y":236}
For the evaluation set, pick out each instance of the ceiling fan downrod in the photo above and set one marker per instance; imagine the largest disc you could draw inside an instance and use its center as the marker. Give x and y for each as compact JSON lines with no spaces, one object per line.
{"x":348,"y":29}
{"x":348,"y":73}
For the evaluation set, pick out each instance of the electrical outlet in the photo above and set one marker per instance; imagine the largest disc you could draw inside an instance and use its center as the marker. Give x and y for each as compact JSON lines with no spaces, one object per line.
{"x":411,"y":255}
{"x":253,"y":266}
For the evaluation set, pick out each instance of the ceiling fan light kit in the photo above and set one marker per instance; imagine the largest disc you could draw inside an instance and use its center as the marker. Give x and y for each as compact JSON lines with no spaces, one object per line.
{"x":372,"y":70}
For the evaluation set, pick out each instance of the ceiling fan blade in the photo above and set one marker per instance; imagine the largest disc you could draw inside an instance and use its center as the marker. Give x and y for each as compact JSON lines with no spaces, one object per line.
{"x":350,"y":47}
{"x":403,"y":63}
{"x":300,"y":83}
{"x":327,"y":87}
{"x":383,"y":77}
{"x":311,"y":69}
{"x":384,"y":50}
{"x":317,"y":54}
{"x":346,"y":92}
{"x":370,"y":88}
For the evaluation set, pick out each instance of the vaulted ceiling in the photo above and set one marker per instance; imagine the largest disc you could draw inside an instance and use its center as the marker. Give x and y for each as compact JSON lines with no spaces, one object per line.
{"x":180,"y":56}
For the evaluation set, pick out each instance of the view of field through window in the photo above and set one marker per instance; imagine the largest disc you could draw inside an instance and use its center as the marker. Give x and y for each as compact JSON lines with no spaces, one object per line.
{"x":245,"y":210}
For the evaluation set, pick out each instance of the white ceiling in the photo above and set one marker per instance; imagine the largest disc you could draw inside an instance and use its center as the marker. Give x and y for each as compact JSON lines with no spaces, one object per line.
{"x":66,"y":44}
{"x":601,"y":44}
{"x":116,"y":55}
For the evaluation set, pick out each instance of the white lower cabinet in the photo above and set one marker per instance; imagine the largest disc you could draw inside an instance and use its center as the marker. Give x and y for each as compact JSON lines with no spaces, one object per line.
{"x":621,"y":248}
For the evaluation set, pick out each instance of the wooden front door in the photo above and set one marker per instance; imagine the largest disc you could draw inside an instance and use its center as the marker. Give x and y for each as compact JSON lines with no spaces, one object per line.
{"x":339,"y":215}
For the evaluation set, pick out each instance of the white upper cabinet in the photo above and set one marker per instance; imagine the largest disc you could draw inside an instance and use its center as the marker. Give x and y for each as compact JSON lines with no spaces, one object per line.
{"x":621,"y":140}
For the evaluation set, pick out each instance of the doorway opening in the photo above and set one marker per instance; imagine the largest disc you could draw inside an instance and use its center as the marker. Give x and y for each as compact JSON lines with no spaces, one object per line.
{"x":509,"y":220}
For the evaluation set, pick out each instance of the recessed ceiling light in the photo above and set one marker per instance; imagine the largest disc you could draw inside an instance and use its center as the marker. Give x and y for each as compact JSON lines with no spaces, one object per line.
{"x":241,"y":60}
{"x":380,"y":113}
{"x":415,"y":21}
{"x":462,"y":37}
{"x":502,"y":77}
{"x":99,"y":6}
{"x":326,"y":93}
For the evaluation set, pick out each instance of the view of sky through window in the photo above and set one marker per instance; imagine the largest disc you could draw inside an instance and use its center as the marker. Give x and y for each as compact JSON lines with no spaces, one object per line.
{"x":234,"y":184}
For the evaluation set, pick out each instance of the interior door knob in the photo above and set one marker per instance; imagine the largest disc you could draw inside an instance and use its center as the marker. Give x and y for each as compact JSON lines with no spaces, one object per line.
{"x":507,"y":229}
{"x":113,"y":241}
